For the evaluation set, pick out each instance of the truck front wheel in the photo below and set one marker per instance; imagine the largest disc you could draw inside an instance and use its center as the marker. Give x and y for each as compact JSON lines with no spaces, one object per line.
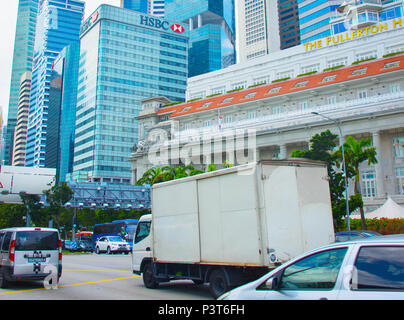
{"x":148,"y":277}
{"x":218,"y":283}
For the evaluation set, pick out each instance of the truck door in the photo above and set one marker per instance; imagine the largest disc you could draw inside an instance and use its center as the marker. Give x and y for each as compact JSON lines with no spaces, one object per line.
{"x":141,"y":244}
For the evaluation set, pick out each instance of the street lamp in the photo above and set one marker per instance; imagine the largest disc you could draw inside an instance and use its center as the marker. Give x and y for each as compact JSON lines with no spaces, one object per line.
{"x":343,"y":162}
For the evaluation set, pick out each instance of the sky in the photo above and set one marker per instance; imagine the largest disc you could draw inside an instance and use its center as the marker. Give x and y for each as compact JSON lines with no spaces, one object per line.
{"x":8,"y":19}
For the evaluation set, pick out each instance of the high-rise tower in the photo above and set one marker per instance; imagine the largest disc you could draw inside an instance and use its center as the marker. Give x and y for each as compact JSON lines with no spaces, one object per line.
{"x":22,"y":62}
{"x":58,"y":25}
{"x":211,"y":36}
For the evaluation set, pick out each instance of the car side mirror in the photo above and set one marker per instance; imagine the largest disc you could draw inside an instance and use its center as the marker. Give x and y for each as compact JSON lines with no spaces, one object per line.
{"x":272,"y":283}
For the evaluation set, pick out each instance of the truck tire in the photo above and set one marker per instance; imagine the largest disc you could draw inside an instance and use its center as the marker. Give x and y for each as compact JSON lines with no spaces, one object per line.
{"x":218,"y":283}
{"x":149,"y":280}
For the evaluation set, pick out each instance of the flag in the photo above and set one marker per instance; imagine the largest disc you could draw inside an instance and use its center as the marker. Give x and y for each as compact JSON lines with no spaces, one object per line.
{"x":219,"y":120}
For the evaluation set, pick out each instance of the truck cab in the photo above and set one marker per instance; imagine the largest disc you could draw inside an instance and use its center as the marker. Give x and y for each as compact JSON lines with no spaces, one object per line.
{"x":142,"y":244}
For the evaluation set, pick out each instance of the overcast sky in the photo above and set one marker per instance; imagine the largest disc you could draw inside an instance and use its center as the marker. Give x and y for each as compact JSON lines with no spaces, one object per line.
{"x":8,"y":18}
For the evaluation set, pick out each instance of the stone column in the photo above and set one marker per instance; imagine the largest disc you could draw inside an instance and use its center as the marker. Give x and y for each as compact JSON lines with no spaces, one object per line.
{"x":380,"y":191}
{"x":282,"y":151}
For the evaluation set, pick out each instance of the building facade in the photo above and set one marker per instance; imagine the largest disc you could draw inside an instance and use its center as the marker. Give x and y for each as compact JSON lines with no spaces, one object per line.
{"x":315,"y":17}
{"x":22,"y":62}
{"x":125,"y":57}
{"x":211,"y":32}
{"x":265,"y":27}
{"x":136,"y":5}
{"x":20,"y":133}
{"x":365,"y":14}
{"x":270,"y":120}
{"x":62,"y":111}
{"x":58,"y":25}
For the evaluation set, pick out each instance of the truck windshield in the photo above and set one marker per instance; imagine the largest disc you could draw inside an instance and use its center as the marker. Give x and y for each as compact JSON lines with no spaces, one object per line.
{"x":36,"y":240}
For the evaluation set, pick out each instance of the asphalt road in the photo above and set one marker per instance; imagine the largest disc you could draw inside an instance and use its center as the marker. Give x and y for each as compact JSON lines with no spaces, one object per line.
{"x":102,"y":277}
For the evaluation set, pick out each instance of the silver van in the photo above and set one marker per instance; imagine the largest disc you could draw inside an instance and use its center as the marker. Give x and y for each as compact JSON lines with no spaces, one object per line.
{"x":29,"y":254}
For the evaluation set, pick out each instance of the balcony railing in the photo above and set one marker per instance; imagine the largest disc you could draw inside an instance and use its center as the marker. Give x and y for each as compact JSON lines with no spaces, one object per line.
{"x":350,"y":108}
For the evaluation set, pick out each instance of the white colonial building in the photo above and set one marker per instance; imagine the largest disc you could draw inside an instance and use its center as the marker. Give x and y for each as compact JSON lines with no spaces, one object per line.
{"x":265,"y":107}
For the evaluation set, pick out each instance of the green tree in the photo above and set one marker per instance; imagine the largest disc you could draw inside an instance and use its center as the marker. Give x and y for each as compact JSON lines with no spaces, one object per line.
{"x":57,"y":196}
{"x":357,"y":152}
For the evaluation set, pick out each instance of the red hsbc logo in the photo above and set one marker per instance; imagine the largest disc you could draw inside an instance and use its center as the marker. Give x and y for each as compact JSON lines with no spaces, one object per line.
{"x":177,"y":28}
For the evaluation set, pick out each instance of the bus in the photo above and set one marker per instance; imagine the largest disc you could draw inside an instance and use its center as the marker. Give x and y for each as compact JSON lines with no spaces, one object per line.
{"x":84,"y":235}
{"x":122,"y":228}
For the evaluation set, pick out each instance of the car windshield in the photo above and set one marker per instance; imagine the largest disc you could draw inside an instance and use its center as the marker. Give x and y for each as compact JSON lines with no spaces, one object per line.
{"x":116,"y":239}
{"x":36,"y":240}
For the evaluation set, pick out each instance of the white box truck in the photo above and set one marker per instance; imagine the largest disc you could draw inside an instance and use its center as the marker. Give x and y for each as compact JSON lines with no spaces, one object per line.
{"x":231,"y":226}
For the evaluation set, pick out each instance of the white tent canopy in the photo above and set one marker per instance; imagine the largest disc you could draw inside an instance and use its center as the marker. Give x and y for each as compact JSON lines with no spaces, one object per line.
{"x":389,"y":209}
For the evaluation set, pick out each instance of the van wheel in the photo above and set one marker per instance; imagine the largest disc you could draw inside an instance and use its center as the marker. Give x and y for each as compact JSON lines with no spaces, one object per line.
{"x":97,"y":250}
{"x":218,"y":283}
{"x":3,"y":281}
{"x":108,"y":250}
{"x":148,"y":277}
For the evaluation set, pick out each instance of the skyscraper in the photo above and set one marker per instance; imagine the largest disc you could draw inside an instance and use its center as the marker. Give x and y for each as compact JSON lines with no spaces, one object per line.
{"x":125,"y":57}
{"x":265,"y":26}
{"x":22,"y":62}
{"x":211,"y":36}
{"x":20,"y":134}
{"x":58,"y":25}
{"x":62,"y":110}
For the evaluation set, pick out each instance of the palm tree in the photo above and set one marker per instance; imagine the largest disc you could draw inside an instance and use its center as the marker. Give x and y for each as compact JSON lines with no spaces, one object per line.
{"x":357,"y":152}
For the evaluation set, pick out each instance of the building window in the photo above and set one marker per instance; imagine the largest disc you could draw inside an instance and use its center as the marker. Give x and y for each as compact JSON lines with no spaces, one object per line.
{"x":219,"y":90}
{"x":331,"y":99}
{"x":400,"y":180}
{"x":369,"y":184}
{"x":206,"y":123}
{"x":252,"y":114}
{"x":398,"y":146}
{"x":395,"y":88}
{"x":261,"y":80}
{"x":228,"y":118}
{"x":250,"y":95}
{"x":239,"y":85}
{"x":276,"y":109}
{"x":337,"y":62}
{"x":302,"y":105}
{"x":362,"y":94}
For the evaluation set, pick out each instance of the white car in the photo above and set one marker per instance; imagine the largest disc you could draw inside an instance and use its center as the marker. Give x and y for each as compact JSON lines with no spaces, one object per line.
{"x":111,"y":244}
{"x":366,"y":269}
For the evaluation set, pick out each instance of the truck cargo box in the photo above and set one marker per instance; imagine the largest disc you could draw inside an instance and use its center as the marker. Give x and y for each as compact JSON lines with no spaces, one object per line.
{"x":259,"y":214}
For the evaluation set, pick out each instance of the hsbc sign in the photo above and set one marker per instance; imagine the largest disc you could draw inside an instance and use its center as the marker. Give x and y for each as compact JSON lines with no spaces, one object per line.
{"x":159,"y":24}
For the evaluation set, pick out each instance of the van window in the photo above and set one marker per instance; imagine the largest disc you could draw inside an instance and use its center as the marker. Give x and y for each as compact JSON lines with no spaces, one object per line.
{"x":6,"y":241}
{"x":36,"y":240}
{"x":1,"y":238}
{"x":142,"y":231}
{"x":379,"y":268}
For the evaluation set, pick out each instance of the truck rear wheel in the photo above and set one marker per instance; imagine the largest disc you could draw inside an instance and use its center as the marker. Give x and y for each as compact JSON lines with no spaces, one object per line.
{"x":148,"y":277}
{"x":218,"y":283}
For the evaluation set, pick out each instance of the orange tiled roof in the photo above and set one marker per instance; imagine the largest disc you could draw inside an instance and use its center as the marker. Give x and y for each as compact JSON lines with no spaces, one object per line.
{"x":361,"y":70}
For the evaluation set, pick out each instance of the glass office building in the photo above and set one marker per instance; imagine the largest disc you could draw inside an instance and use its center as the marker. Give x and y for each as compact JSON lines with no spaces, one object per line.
{"x":58,"y":25}
{"x":125,"y":57}
{"x":137,"y":5}
{"x":22,"y":62}
{"x":62,"y":111}
{"x":211,"y":37}
{"x":315,"y":17}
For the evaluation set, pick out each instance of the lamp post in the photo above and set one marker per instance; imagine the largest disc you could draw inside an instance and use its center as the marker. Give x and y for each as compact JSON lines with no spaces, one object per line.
{"x":343,"y":163}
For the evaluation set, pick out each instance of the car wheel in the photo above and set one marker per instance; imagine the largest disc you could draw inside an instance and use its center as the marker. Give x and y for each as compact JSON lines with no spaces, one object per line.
{"x":97,"y":250}
{"x":148,"y":277}
{"x":108,"y":250}
{"x":218,"y":283}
